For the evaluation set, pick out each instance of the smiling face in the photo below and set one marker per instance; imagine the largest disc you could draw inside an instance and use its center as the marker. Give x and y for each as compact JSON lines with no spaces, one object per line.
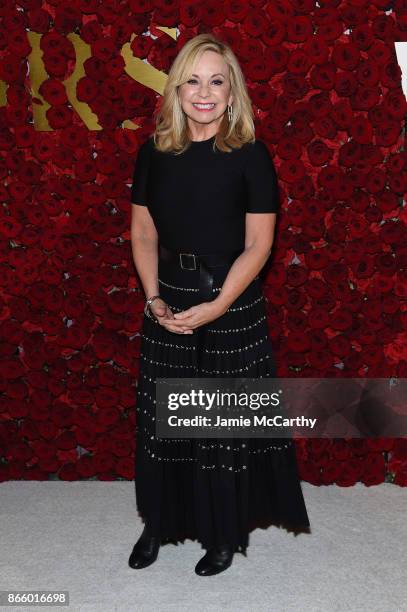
{"x":206,"y":94}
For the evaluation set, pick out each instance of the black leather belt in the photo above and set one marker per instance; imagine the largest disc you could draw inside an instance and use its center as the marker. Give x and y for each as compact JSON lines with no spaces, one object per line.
{"x":204,"y":264}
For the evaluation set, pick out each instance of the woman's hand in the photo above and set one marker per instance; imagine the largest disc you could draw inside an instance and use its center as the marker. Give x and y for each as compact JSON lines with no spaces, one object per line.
{"x":165,"y":317}
{"x":159,"y":308}
{"x":194,"y":317}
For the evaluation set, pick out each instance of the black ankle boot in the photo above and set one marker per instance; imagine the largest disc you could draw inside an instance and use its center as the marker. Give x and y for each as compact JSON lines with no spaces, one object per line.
{"x":145,"y":551}
{"x":215,"y":561}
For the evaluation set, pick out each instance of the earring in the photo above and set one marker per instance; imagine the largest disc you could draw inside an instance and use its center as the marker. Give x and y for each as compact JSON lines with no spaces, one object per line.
{"x":230,"y":113}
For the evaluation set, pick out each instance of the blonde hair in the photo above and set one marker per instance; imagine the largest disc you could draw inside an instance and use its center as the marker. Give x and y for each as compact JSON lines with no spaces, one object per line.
{"x":171,"y":133}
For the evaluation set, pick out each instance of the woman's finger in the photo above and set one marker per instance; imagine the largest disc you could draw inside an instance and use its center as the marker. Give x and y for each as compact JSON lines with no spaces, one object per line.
{"x":176,"y":323}
{"x":177,"y":331}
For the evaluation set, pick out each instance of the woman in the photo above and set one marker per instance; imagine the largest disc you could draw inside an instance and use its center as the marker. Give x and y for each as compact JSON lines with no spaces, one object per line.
{"x":205,"y":197}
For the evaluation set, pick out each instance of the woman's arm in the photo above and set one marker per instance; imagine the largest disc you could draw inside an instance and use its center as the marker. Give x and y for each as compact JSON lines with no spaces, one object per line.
{"x":144,"y":246}
{"x":258,"y":243}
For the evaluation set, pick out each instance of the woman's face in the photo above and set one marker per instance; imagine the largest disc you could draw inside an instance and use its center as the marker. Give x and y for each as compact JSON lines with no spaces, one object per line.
{"x":208,"y":85}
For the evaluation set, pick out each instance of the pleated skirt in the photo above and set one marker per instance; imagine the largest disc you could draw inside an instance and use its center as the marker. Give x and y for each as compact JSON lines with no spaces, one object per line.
{"x":215,"y":491}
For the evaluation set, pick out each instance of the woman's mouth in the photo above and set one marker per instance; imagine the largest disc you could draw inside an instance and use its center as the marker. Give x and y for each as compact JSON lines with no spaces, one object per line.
{"x":204,"y":107}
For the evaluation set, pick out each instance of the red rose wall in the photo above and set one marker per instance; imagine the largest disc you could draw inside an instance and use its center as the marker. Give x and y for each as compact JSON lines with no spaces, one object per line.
{"x":79,"y":84}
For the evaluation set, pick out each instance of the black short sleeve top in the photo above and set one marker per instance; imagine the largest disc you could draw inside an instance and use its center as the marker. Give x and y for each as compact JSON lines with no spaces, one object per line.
{"x":198,"y":199}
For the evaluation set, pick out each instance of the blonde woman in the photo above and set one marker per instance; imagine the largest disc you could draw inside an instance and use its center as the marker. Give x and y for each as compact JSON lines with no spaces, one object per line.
{"x":205,"y":198}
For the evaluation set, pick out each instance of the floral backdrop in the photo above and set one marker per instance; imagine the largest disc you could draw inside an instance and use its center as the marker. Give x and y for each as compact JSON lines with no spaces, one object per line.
{"x":79,"y":84}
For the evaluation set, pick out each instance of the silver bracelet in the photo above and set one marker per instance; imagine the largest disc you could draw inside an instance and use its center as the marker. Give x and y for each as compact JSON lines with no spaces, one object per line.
{"x":147,"y":306}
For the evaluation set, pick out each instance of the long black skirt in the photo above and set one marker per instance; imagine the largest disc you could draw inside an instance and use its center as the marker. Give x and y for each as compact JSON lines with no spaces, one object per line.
{"x":210,"y":490}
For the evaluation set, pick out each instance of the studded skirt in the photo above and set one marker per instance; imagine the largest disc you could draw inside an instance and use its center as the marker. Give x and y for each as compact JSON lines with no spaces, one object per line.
{"x":211,"y":490}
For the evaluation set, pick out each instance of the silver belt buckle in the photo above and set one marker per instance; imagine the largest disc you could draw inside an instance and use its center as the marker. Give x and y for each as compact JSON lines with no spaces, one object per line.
{"x":188,"y":255}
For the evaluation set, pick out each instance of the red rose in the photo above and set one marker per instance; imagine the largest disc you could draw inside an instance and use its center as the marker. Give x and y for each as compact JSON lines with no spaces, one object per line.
{"x":141,"y":46}
{"x":74,"y":337}
{"x":59,"y":116}
{"x":345,"y":55}
{"x":319,"y":154}
{"x":115,"y":66}
{"x":25,"y":136}
{"x":119,"y":302}
{"x":401,"y":477}
{"x":373,"y":469}
{"x":17,"y":95}
{"x":272,"y":35}
{"x":345,"y":84}
{"x":75,"y":137}
{"x":47,"y":430}
{"x":340,"y":345}
{"x":52,"y":42}
{"x":103,"y":462}
{"x":42,"y":147}
{"x":11,"y":68}
{"x":108,"y":89}
{"x":395,"y":104}
{"x":387,"y":264}
{"x":17,"y":115}
{"x":310,"y":472}
{"x":39,"y":20}
{"x":85,"y":169}
{"x":316,"y":288}
{"x":55,"y":64}
{"x":86,"y":466}
{"x":296,"y":275}
{"x":398,"y":183}
{"x":292,"y":170}
{"x":391,"y":232}
{"x":316,"y":259}
{"x":296,"y":300}
{"x":323,"y":76}
{"x":68,"y":19}
{"x":382,"y":284}
{"x":350,"y":473}
{"x":334,"y":274}
{"x":104,"y":49}
{"x":12,"y":18}
{"x":44,"y":450}
{"x":387,"y":133}
{"x":361,"y":34}
{"x":330,"y":473}
{"x":125,"y":468}
{"x":53,"y":92}
{"x":30,"y":172}
{"x":379,"y":444}
{"x":63,"y":157}
{"x":297,"y":342}
{"x":400,"y":284}
{"x":316,"y":48}
{"x":106,"y":398}
{"x":95,"y":69}
{"x":68,"y":472}
{"x":320,"y":359}
{"x":396,"y":351}
{"x":91,"y":30}
{"x":18,"y":43}
{"x":103,"y":343}
{"x":86,"y":89}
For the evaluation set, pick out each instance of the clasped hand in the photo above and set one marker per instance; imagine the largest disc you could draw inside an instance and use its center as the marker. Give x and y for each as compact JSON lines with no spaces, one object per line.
{"x":186,"y":321}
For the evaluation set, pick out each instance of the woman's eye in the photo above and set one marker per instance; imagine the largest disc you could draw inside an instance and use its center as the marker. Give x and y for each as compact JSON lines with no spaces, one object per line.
{"x":194,"y":81}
